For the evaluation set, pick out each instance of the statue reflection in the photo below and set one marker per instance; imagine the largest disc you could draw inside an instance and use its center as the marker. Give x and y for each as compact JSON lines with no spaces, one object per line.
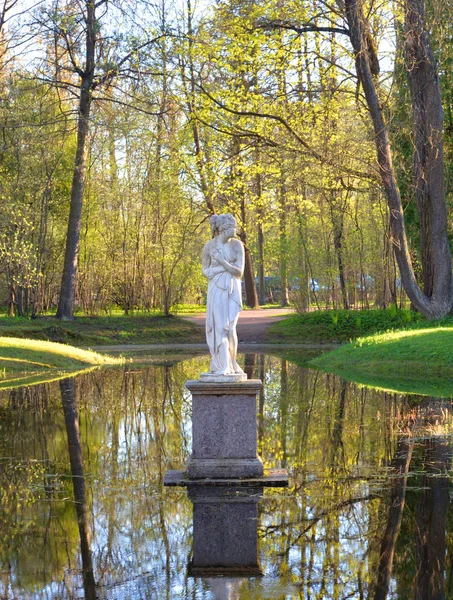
{"x":427,"y":428}
{"x":225,"y":537}
{"x":68,"y":399}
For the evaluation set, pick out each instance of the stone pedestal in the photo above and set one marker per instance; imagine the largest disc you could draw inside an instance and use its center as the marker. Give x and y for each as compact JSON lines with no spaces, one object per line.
{"x":224,"y":430}
{"x":224,"y":438}
{"x":225,"y":531}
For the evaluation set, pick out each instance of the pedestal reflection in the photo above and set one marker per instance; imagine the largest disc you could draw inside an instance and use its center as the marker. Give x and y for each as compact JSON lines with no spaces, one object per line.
{"x":225,"y":532}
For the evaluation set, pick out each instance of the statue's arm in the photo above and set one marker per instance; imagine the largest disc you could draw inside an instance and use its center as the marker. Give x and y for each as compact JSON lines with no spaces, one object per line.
{"x":206,"y":268}
{"x":237,"y":270}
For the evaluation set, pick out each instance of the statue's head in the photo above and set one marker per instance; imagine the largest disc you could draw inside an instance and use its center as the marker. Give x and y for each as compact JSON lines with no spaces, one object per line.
{"x":221,"y":223}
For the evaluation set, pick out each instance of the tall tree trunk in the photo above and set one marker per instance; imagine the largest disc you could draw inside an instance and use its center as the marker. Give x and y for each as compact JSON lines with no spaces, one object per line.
{"x":251,"y":297}
{"x":306,"y":280}
{"x":11,"y":300}
{"x":68,"y":281}
{"x":200,"y":158}
{"x":261,"y":278}
{"x":338,"y":250}
{"x":282,"y":191}
{"x":337,"y":209}
{"x":20,"y":301}
{"x":426,"y":91}
{"x":284,"y":300}
{"x":259,"y":194}
{"x":38,"y":291}
{"x":428,"y":163}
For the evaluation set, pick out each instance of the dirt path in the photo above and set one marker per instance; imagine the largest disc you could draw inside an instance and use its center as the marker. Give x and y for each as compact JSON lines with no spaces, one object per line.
{"x":252,"y":328}
{"x":253,"y":324}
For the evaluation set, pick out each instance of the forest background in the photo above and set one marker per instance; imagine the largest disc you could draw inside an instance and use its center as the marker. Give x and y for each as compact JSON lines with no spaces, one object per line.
{"x":125,"y":124}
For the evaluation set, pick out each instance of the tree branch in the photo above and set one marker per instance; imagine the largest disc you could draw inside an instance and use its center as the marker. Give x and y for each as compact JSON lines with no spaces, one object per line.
{"x":285,"y":124}
{"x":302,"y":28}
{"x":113,"y":72}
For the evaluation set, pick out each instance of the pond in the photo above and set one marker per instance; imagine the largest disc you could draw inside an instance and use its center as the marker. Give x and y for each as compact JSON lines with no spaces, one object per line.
{"x":84,"y":513}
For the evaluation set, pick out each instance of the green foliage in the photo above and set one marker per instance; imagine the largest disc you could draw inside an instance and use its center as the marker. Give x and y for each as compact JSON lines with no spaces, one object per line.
{"x":265,"y":122}
{"x":181,"y":309}
{"x":34,"y":184}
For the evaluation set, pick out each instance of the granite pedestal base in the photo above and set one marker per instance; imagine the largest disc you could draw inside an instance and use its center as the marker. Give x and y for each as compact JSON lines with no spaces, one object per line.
{"x":224,"y":438}
{"x":270,"y":478}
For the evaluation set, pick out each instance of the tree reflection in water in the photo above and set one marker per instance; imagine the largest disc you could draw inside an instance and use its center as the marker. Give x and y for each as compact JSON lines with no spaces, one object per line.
{"x":367,"y":515}
{"x":68,"y":400}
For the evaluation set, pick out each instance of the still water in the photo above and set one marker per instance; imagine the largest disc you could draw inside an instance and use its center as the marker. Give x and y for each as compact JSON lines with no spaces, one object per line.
{"x":84,"y":513}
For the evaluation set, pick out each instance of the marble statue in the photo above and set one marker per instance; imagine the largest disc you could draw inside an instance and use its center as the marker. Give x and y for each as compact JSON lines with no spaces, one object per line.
{"x":223,"y":265}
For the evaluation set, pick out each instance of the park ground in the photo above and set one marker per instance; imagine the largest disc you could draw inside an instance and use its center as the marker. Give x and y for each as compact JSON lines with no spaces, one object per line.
{"x":381,"y":342}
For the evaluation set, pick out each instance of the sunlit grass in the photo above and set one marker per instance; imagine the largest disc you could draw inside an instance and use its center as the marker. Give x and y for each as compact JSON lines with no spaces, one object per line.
{"x":417,"y":361}
{"x":268,"y":305}
{"x":188,"y":309}
{"x":342,"y":325}
{"x":104,"y":330}
{"x":25,"y":355}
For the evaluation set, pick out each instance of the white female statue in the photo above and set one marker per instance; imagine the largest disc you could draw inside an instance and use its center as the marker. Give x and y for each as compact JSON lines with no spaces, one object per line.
{"x":223,"y":265}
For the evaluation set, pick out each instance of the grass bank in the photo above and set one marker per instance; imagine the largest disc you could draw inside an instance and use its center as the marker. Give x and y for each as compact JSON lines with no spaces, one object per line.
{"x":25,"y":361}
{"x":104,"y":330}
{"x":341,"y":325}
{"x":418,"y":361}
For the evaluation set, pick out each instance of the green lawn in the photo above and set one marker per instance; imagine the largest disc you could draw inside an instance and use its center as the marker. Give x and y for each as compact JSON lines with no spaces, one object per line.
{"x":417,"y":361}
{"x":393,"y":349}
{"x":341,"y":325}
{"x":104,"y":330}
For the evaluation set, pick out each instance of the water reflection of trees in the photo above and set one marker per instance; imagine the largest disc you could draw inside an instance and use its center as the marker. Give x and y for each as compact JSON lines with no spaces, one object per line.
{"x":33,"y":522}
{"x":129,"y":426}
{"x":350,"y":452}
{"x":423,"y":550}
{"x":367,"y":511}
{"x":71,"y":417}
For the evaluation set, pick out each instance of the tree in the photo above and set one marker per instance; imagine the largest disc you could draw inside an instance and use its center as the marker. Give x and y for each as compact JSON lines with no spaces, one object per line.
{"x":71,"y":417}
{"x":436,"y":299}
{"x":86,"y":89}
{"x":81,"y":68}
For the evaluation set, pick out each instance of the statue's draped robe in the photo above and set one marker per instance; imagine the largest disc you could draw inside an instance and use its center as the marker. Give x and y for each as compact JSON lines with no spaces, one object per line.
{"x":223,"y":305}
